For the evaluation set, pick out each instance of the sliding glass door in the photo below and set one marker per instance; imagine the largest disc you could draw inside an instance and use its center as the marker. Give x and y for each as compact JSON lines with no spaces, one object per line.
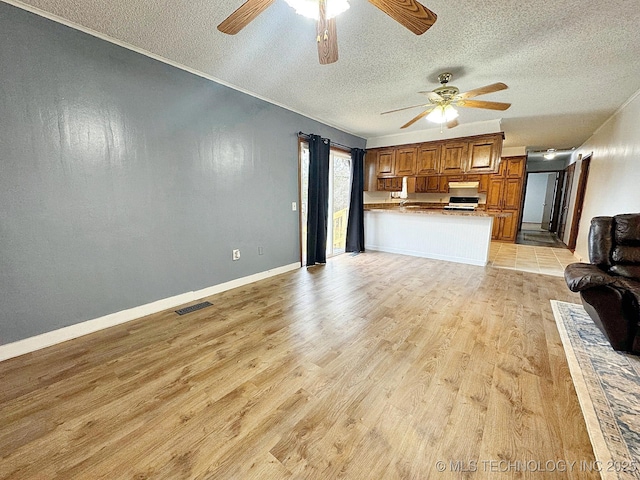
{"x":339,"y":197}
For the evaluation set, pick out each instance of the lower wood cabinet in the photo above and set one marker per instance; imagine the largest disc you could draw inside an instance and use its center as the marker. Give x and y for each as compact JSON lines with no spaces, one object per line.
{"x":505,"y":229}
{"x":429,"y":184}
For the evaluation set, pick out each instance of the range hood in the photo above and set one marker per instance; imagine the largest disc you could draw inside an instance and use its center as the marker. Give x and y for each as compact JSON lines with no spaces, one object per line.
{"x":464,"y":184}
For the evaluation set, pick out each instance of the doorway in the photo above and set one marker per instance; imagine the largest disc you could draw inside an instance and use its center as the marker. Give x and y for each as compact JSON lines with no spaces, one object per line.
{"x":339,"y":199}
{"x":540,"y":209}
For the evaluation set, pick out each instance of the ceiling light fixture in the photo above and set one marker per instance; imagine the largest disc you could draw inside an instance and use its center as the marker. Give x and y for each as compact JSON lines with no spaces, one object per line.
{"x":442,"y":114}
{"x":310,"y":8}
{"x":551,"y":154}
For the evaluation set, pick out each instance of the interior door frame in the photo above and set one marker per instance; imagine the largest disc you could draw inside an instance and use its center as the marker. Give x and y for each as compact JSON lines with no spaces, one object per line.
{"x":579,"y":203}
{"x":569,"y":173}
{"x":557,"y":199}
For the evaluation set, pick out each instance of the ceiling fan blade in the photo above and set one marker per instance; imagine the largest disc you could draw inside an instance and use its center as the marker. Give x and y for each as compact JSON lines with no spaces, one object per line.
{"x":239,"y":19}
{"x":409,"y":13}
{"x":433,"y":96}
{"x":405,"y":108}
{"x":453,"y":123}
{"x":483,"y":104}
{"x":327,"y":36}
{"x":494,"y":87}
{"x":415,"y":119}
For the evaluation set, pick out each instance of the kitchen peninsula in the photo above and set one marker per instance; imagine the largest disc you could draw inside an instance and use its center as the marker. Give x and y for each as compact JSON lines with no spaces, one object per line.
{"x":421,"y":231}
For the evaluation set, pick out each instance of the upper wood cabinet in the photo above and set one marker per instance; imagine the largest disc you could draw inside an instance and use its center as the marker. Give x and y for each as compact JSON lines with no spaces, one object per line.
{"x":515,"y":167}
{"x":370,"y":170}
{"x":479,"y":155}
{"x":405,"y":161}
{"x":428,"y":161}
{"x":484,"y":154}
{"x":385,"y":162}
{"x":453,"y":157}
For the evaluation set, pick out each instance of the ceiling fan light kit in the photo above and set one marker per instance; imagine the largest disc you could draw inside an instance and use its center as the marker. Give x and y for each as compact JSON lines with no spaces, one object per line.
{"x":408,"y":13}
{"x":443,"y":114}
{"x":309,"y":8}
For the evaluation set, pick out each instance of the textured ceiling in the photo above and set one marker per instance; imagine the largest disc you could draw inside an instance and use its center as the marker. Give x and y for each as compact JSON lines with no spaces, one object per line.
{"x":569,"y":64}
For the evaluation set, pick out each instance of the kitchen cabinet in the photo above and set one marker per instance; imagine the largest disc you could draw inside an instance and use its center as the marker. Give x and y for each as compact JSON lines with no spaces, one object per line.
{"x":429,"y":184}
{"x":484,"y":154}
{"x":370,"y":170}
{"x":515,"y":167}
{"x":405,"y":162}
{"x":393,"y":184}
{"x":453,"y":157}
{"x":505,"y":228}
{"x":428,"y":159}
{"x":511,"y":196}
{"x":385,"y":162}
{"x":475,"y":158}
{"x":504,"y":194}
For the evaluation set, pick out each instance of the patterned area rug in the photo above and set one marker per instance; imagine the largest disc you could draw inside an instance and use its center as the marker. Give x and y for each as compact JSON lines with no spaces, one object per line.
{"x":608,"y":387}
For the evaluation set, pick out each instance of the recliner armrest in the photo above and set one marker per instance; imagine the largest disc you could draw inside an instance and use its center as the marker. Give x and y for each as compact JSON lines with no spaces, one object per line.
{"x":581,"y":276}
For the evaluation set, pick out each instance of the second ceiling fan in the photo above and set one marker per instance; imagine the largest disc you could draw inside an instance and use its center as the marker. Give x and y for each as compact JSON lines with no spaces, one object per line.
{"x":445,"y":97}
{"x":409,"y":13}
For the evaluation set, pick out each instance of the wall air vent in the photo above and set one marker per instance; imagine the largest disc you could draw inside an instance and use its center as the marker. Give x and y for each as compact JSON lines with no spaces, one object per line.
{"x":193,"y":308}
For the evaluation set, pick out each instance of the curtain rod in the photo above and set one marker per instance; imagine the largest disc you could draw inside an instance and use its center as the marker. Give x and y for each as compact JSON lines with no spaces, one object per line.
{"x":306,"y":135}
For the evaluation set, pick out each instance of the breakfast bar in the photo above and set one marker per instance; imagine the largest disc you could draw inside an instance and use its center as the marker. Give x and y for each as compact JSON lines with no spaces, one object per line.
{"x":455,"y":236}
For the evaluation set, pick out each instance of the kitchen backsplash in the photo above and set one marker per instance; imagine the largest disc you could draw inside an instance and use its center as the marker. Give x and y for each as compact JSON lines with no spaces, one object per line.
{"x":385,"y":197}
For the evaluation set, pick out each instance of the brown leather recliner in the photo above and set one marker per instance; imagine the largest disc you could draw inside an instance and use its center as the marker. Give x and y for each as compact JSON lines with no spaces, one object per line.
{"x":610,"y":285}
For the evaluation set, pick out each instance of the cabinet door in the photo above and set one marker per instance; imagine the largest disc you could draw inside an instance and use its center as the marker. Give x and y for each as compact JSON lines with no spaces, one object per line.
{"x":386,"y":162}
{"x":511,"y":196}
{"x":496,"y":227}
{"x":509,"y":227}
{"x":494,"y":193}
{"x":428,"y":159}
{"x":515,"y":167}
{"x":484,"y":154}
{"x":421,"y":184}
{"x":433,"y":184}
{"x":453,"y":157}
{"x":370,"y":174}
{"x":483,"y":186}
{"x":405,"y":161}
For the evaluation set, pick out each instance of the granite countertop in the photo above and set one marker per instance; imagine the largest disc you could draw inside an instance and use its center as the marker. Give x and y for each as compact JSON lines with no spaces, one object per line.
{"x":430,"y":209}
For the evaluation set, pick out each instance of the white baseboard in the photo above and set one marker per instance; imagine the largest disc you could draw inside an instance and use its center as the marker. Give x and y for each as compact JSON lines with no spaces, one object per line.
{"x":47,"y":339}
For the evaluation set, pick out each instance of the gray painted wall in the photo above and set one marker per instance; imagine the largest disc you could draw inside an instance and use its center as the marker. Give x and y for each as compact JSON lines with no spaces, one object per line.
{"x":124,"y":180}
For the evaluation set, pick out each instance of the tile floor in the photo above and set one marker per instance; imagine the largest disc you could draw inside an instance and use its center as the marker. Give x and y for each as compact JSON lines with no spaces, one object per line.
{"x":527,"y":258}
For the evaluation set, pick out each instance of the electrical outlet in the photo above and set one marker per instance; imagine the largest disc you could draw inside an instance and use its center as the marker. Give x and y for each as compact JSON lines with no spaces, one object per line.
{"x":260,"y":251}
{"x":294,"y":206}
{"x":235,"y":255}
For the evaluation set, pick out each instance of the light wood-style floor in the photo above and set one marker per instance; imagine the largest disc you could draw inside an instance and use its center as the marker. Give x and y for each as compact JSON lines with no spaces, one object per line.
{"x":375,"y":366}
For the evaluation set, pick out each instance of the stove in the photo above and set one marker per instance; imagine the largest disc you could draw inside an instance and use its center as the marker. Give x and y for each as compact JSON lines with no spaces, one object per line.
{"x":462,"y":203}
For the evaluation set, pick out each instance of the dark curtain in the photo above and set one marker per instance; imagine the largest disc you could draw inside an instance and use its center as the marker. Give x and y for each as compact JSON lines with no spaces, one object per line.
{"x":318,"y":200}
{"x":355,"y":224}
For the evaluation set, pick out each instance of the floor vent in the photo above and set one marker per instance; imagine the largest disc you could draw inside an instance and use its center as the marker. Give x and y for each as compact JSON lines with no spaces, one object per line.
{"x":193,"y":308}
